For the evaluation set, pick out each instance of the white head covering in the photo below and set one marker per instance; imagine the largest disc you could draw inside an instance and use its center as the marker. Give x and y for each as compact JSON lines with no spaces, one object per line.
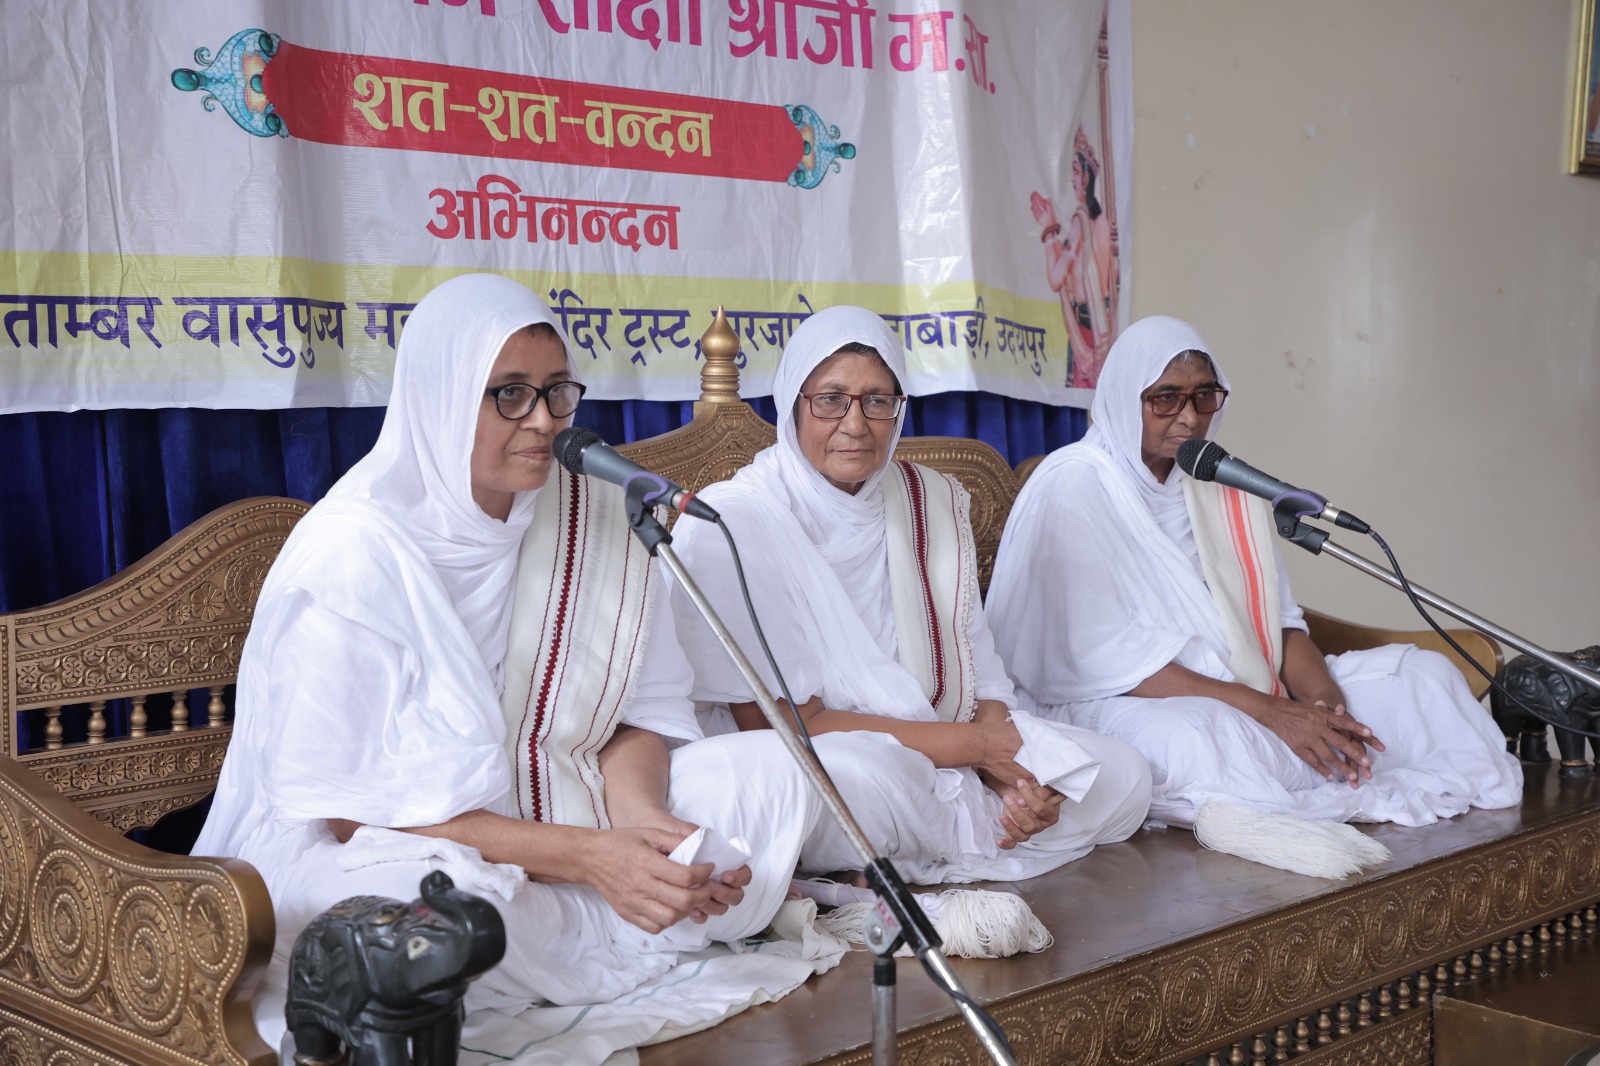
{"x":847,"y":530}
{"x":1138,"y":358}
{"x":391,"y":599}
{"x":817,"y":338}
{"x":419,"y":473}
{"x":1098,"y":584}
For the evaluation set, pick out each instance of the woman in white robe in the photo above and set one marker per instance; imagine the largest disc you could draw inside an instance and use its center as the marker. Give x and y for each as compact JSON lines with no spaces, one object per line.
{"x":1119,"y":609}
{"x":369,"y":696}
{"x":863,"y":573}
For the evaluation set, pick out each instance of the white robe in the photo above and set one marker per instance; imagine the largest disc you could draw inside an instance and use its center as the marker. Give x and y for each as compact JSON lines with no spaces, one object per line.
{"x":369,"y":690}
{"x":848,"y":621}
{"x":1099,"y":584}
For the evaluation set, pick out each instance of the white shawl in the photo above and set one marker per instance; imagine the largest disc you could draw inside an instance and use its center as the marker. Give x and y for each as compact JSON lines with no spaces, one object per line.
{"x":406,"y":582}
{"x":864,"y":627}
{"x":1099,"y":582}
{"x":576,"y":648}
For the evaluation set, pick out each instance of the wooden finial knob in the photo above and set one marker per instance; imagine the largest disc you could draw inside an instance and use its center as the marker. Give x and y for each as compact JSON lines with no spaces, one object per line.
{"x":719,"y":368}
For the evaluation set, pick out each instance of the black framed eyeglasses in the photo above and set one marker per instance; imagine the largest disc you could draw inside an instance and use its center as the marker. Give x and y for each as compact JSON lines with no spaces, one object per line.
{"x":1207,"y":401}
{"x":516,"y":400}
{"x":833,"y":406}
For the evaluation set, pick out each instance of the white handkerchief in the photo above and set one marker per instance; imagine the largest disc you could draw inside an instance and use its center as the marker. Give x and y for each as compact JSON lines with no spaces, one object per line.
{"x":1053,"y":758}
{"x":707,"y":845}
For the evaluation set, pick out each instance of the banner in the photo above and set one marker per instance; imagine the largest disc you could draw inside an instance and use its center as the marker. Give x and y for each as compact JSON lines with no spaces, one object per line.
{"x":224,"y":203}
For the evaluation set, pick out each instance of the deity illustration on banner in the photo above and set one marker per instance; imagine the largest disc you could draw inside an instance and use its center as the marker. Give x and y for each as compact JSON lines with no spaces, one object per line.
{"x":1081,"y":259}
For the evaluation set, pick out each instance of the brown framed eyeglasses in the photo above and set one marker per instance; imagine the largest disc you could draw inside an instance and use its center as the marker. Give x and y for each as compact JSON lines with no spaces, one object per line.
{"x":1207,"y":401}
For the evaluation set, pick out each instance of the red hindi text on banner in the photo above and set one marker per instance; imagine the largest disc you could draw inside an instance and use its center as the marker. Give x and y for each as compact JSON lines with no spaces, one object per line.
{"x":339,"y":98}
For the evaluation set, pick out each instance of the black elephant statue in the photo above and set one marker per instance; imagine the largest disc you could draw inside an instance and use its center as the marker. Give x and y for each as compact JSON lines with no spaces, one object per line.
{"x":1569,"y":705}
{"x":382,"y":981}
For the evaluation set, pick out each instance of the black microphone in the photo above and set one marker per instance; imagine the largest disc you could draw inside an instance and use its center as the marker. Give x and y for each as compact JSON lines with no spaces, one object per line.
{"x":1206,"y":460}
{"x":583,"y":452}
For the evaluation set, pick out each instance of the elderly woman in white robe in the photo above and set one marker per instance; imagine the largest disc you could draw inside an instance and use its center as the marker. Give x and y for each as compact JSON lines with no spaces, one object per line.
{"x":370,"y":746}
{"x":1131,"y":599}
{"x":864,"y":578}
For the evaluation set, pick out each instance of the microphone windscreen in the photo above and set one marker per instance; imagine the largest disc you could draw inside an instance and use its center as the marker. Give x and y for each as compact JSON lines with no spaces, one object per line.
{"x":569,"y":445}
{"x":1200,"y":458}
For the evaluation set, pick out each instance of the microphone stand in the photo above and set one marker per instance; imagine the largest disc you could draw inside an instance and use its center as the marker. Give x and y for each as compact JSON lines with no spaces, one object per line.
{"x":896,"y":916}
{"x":1286,"y":517}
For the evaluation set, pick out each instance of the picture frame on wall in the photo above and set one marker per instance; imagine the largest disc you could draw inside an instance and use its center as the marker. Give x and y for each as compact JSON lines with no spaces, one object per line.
{"x":1585,"y":140}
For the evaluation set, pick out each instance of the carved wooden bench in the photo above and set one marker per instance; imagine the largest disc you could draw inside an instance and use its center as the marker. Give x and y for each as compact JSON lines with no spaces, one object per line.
{"x":114,"y":712}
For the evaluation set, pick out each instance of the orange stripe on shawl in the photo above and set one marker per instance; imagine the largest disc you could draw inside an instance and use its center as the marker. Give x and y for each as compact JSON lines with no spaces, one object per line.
{"x":1246,"y":554}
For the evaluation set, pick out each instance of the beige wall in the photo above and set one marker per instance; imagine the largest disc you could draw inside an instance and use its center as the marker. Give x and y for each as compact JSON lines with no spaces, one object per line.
{"x":1363,"y":205}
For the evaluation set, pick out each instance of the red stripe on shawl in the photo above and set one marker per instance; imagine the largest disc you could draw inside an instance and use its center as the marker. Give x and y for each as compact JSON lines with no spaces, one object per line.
{"x":527,"y":706}
{"x":580,"y":554}
{"x":962,"y":632}
{"x":919,"y":541}
{"x":557,"y":639}
{"x":1244,"y":549}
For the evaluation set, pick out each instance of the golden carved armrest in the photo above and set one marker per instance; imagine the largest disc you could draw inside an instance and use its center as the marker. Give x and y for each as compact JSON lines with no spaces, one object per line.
{"x":173,"y":622}
{"x":112,"y":952}
{"x":1336,"y":636}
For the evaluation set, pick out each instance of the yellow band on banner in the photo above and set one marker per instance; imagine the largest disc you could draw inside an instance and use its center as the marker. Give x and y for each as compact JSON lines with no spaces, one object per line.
{"x":294,"y":331}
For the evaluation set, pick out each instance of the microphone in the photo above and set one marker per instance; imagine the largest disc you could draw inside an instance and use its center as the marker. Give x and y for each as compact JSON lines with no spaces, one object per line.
{"x":1206,"y":460}
{"x":583,"y":452}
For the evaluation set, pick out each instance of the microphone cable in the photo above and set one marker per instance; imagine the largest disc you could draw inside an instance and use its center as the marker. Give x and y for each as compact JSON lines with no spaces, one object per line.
{"x":766,"y":649}
{"x":1405,"y":586}
{"x":1197,"y":460}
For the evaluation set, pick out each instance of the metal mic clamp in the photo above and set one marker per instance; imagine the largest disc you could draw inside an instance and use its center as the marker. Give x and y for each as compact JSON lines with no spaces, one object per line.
{"x":1287,"y":511}
{"x":641,"y":515}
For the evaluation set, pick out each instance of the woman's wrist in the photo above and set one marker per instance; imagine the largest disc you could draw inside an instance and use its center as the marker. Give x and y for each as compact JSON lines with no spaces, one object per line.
{"x":1000,"y":744}
{"x":988,"y":712}
{"x":627,"y":807}
{"x":562,"y":855}
{"x":1258,"y":705}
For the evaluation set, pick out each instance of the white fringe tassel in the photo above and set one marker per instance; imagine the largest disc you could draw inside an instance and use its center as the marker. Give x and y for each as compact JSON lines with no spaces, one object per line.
{"x":1300,"y":845}
{"x":972,"y":923}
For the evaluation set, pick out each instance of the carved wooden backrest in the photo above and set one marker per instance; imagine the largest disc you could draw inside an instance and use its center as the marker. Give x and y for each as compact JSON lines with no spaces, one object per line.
{"x":721,"y":439}
{"x":1335,"y":636}
{"x":169,"y":625}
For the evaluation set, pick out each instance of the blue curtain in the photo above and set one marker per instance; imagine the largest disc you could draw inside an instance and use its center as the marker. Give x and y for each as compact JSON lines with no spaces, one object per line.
{"x":86,"y":493}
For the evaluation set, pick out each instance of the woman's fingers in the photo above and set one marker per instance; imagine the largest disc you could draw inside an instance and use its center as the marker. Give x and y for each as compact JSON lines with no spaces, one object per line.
{"x":1043,"y":803}
{"x":642,"y":885}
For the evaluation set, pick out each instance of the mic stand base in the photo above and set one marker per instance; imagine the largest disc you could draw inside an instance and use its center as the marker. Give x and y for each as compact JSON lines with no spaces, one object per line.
{"x":896,"y":914}
{"x":885,"y":1051}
